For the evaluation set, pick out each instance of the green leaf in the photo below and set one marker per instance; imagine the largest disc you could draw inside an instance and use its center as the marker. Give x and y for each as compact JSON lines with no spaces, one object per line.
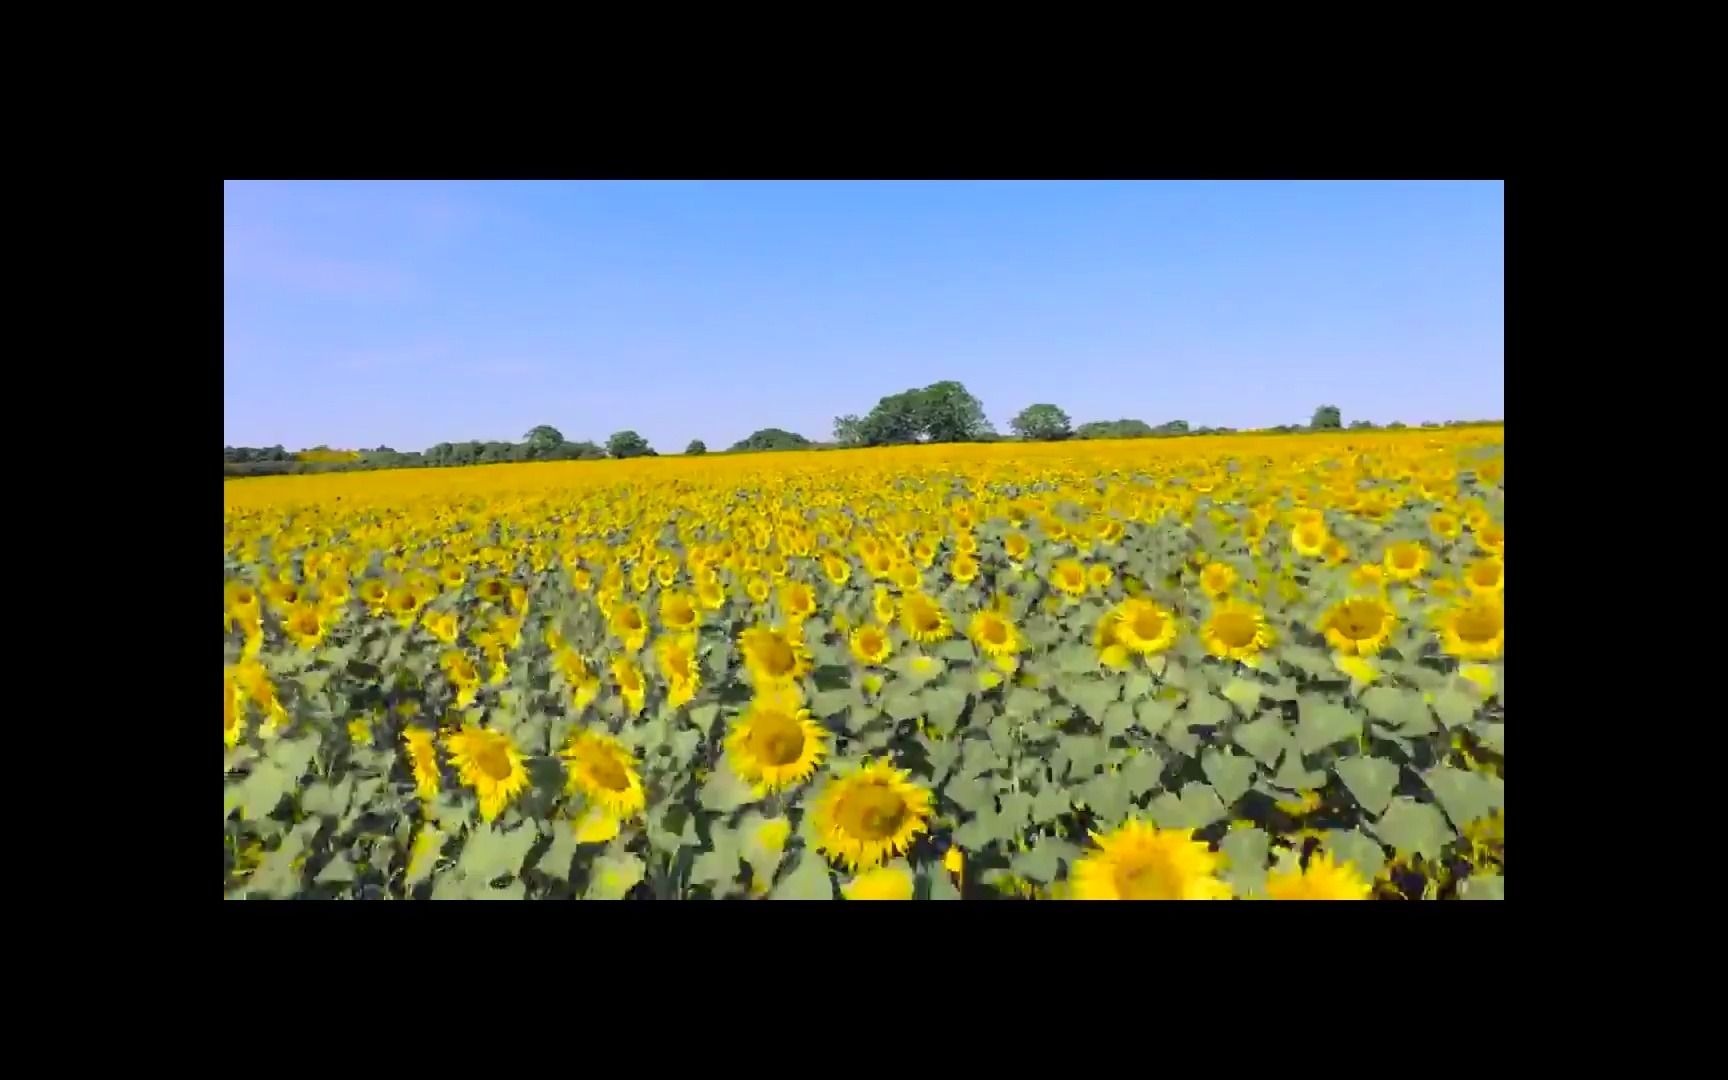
{"x":725,"y":791}
{"x":1323,"y":723}
{"x":1464,"y":795}
{"x":942,"y":885}
{"x":1118,"y":718}
{"x":491,"y":851}
{"x":1050,"y":803}
{"x":1143,"y":771}
{"x":556,"y":860}
{"x":1264,"y":738}
{"x":1207,"y":710}
{"x":1245,"y":694}
{"x":827,"y":703}
{"x":1311,"y":662}
{"x":1414,"y":828}
{"x":971,"y":794}
{"x":1197,"y":807}
{"x":718,"y":866}
{"x":1043,"y":861}
{"x":613,"y":876}
{"x":1483,"y":887}
{"x":1016,"y":810}
{"x":1154,"y":716}
{"x":901,"y":703}
{"x":1294,"y":775}
{"x":1093,"y":697}
{"x":1245,"y":852}
{"x":703,"y":715}
{"x":1076,"y":660}
{"x":958,"y":650}
{"x":978,"y":756}
{"x":943,"y":706}
{"x":1454,"y":708}
{"x":1024,"y":702}
{"x":1369,"y":779}
{"x":1402,"y":710}
{"x":978,"y":832}
{"x":336,"y":871}
{"x":1352,"y":846}
{"x":1493,"y":736}
{"x":1230,"y":775}
{"x":326,"y":799}
{"x":1084,"y":754}
{"x":1106,"y":794}
{"x":1139,"y":686}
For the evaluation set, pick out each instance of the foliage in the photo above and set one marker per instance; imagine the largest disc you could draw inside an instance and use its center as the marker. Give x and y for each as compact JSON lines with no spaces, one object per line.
{"x":627,"y":444}
{"x":941,"y":412}
{"x":848,"y":430}
{"x":697,"y":446}
{"x":1114,"y":429}
{"x":1326,"y":417}
{"x":772,"y":439}
{"x":1042,"y":422}
{"x":530,"y":683}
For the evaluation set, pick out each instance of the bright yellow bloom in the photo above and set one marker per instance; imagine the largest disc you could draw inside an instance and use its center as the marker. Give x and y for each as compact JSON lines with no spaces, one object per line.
{"x":994,"y":634}
{"x":774,"y":656}
{"x":1360,"y":626}
{"x":1141,"y":862}
{"x":1323,"y":879}
{"x":629,"y":626}
{"x":631,"y":686}
{"x":422,"y":761}
{"x":773,"y":746}
{"x":1474,"y":629}
{"x":1406,"y":560}
{"x":1217,"y":579}
{"x":603,"y":771}
{"x":676,"y":656}
{"x":1236,"y":631}
{"x":870,"y":645}
{"x":869,"y":814}
{"x":924,"y":620}
{"x":1069,"y":577}
{"x":1485,"y":577}
{"x":1143,"y":626}
{"x":882,"y":883}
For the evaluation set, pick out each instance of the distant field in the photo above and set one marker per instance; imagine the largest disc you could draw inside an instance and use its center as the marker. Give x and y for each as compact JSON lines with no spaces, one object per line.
{"x":1201,"y":668}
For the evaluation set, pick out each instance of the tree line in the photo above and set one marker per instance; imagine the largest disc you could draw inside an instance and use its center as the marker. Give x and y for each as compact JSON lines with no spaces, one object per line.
{"x":943,"y":412}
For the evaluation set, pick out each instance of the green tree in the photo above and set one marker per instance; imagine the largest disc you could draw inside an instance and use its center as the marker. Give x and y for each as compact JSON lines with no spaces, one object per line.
{"x":1361,"y":424}
{"x":1114,"y":429}
{"x":628,"y":444}
{"x":771,"y":439}
{"x":1327,"y":416}
{"x":949,"y":413}
{"x":848,"y":430}
{"x":1042,"y":422}
{"x":697,"y":446}
{"x":543,"y":440}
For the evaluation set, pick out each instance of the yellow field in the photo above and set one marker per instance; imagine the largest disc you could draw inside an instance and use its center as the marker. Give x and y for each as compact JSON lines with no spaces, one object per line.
{"x":1200,"y":668}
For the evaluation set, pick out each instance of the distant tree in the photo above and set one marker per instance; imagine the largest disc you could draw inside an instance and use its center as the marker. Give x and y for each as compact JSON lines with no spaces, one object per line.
{"x":1396,"y":424}
{"x":1042,"y":422}
{"x":697,"y":446}
{"x":581,"y":451}
{"x":1326,"y":416}
{"x":895,"y":419}
{"x":544,"y":440}
{"x":1174,"y":427}
{"x":628,"y":444}
{"x":848,"y":430}
{"x":1114,"y":429}
{"x":949,"y":413}
{"x":771,"y":439}
{"x":1359,"y":424}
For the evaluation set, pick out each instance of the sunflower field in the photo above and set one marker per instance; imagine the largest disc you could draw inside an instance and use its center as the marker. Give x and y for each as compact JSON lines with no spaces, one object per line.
{"x":1244,"y":667}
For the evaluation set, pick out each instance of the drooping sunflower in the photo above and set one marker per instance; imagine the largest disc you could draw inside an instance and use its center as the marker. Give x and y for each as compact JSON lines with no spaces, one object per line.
{"x":1217,"y":579}
{"x":441,"y":625}
{"x":1142,"y":626}
{"x":463,"y":675}
{"x":1111,"y":652}
{"x":774,"y":656}
{"x":631,"y":686}
{"x":994,"y":634}
{"x":906,"y":577}
{"x":678,"y":612}
{"x":711,"y":594}
{"x":630,"y":626}
{"x":1491,"y":538}
{"x":882,"y":883}
{"x":1358,"y":626}
{"x":233,"y":709}
{"x":774,"y":744}
{"x":797,"y":601}
{"x":882,"y":603}
{"x":1474,"y":629}
{"x":1236,"y":631}
{"x":870,"y":645}
{"x":1017,"y":547}
{"x":837,"y":570}
{"x":1069,"y":577}
{"x":603,"y":771}
{"x":422,"y":761}
{"x":676,"y":656}
{"x":1405,"y":560}
{"x":924,"y":620}
{"x":1141,"y":862}
{"x":869,"y":814}
{"x":1485,"y":577}
{"x":1324,"y":879}
{"x":375,"y":594}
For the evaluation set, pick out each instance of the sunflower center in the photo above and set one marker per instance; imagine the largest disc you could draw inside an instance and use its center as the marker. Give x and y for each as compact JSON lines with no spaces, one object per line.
{"x":603,"y":769}
{"x":1148,"y":623}
{"x":1234,"y":629}
{"x":680,"y":614}
{"x":871,"y":812}
{"x":1404,"y":558}
{"x":870,"y":641}
{"x":1147,"y":877}
{"x":1478,"y":625}
{"x":1485,"y":574}
{"x":492,"y":760}
{"x":1359,"y":621}
{"x":776,"y":739}
{"x":994,"y":631}
{"x":1072,"y":578}
{"x":632,"y":621}
{"x":776,"y":656}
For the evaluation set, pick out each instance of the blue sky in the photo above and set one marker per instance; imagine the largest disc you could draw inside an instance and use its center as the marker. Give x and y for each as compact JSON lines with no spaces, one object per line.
{"x":410,"y":313}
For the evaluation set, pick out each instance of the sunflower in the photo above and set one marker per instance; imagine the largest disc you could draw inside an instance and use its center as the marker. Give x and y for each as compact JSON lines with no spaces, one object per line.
{"x":1236,"y":631}
{"x":463,"y":675}
{"x":1310,"y":539}
{"x":882,"y":603}
{"x":441,"y":625}
{"x":488,"y":762}
{"x":630,"y":684}
{"x":1069,"y":576}
{"x":1053,"y":527}
{"x":994,"y":634}
{"x":906,"y":577}
{"x":422,"y":761}
{"x":797,"y":601}
{"x":775,"y":745}
{"x":1368,"y":576}
{"x":1323,"y":879}
{"x":1216,"y":579}
{"x":603,"y":771}
{"x":1140,"y":862}
{"x":1474,"y":629}
{"x":964,"y":568}
{"x":1111,"y":652}
{"x":492,"y":590}
{"x":1359,"y":626}
{"x":868,"y":814}
{"x":1099,"y":576}
{"x":774,"y":656}
{"x":924,"y":620}
{"x":375,"y":594}
{"x":305,"y":625}
{"x":837,"y":570}
{"x":1485,"y":577}
{"x":882,"y":883}
{"x":425,"y":586}
{"x":641,"y":576}
{"x":241,"y":602}
{"x":630,"y":626}
{"x":676,"y":655}
{"x":757,"y":590}
{"x":1017,"y":547}
{"x":666,"y":574}
{"x":1143,"y":626}
{"x":282,"y":596}
{"x":711,"y":594}
{"x":405,"y":605}
{"x":1405,"y":560}
{"x":1445,"y":524}
{"x":870,"y":645}
{"x":679,"y":612}
{"x":233,"y":709}
{"x":1491,"y":538}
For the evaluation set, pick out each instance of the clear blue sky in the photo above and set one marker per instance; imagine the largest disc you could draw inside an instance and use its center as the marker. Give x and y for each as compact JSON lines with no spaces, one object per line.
{"x":410,"y":313}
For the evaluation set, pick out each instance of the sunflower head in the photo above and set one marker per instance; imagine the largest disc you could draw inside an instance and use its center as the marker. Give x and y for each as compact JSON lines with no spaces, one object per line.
{"x":1474,"y":629}
{"x":1142,"y":626}
{"x":1236,"y":631}
{"x":1485,"y":577}
{"x":882,"y":603}
{"x":993,"y":633}
{"x":774,"y":656}
{"x":924,"y":620}
{"x":797,"y":601}
{"x":1217,"y":579}
{"x":305,"y":624}
{"x":1140,"y":862}
{"x":1017,"y":546}
{"x":774,"y":745}
{"x":603,"y":771}
{"x":488,"y":762}
{"x":1323,"y":879}
{"x":1310,"y":539}
{"x":1405,"y":561}
{"x":1099,"y":575}
{"x":1068,"y":576}
{"x":676,"y":656}
{"x":870,"y":645}
{"x":1360,"y":626}
{"x":630,"y":683}
{"x":870,"y":814}
{"x":882,"y":883}
{"x":629,"y":625}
